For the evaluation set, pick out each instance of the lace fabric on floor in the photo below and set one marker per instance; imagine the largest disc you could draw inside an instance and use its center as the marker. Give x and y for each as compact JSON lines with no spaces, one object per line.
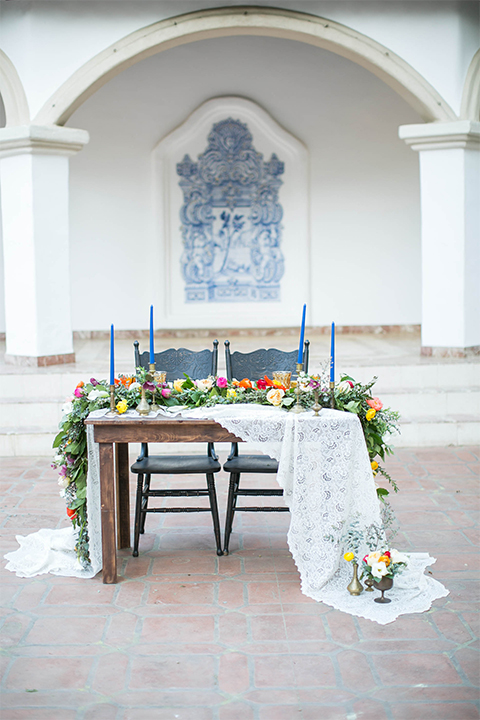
{"x":325,"y":472}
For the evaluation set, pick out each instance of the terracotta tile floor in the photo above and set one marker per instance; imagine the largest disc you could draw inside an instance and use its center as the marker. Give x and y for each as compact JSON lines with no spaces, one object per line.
{"x":191,"y":636}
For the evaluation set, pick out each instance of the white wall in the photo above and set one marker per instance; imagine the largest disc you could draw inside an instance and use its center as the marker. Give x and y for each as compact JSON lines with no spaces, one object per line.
{"x":2,"y":280}
{"x":365,"y":255}
{"x":48,"y":41}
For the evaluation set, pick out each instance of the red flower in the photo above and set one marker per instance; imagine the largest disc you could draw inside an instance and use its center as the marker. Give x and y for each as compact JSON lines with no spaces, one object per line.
{"x":72,"y":514}
{"x":387,"y":553}
{"x":261,"y":384}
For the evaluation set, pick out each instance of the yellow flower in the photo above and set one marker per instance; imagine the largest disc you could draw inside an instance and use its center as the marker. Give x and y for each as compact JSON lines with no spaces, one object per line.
{"x":348,"y":556}
{"x":371,"y":414}
{"x":231,"y":393}
{"x":274,"y":396}
{"x":178,"y":384}
{"x":374,"y":464}
{"x":122,"y":406}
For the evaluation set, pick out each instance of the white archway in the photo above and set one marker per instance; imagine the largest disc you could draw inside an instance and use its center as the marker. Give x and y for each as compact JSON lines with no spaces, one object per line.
{"x":13,"y":94}
{"x":470,"y":107}
{"x":271,"y":22}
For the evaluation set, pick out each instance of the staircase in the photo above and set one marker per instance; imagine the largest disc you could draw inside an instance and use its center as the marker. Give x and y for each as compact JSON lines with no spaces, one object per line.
{"x":439,"y":402}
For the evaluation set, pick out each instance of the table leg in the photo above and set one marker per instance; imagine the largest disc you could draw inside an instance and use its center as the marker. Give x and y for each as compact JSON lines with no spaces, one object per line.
{"x":122,"y":476}
{"x":107,"y":494}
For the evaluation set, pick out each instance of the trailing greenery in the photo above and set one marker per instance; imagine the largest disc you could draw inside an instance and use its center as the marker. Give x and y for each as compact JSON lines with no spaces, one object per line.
{"x":71,"y":441}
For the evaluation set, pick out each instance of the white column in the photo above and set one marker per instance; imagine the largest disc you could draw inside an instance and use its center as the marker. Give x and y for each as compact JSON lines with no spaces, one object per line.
{"x":450,"y":209}
{"x":34,"y":185}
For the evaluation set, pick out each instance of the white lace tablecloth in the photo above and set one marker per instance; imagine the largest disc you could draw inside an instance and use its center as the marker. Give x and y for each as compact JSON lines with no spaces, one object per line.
{"x":325,"y":472}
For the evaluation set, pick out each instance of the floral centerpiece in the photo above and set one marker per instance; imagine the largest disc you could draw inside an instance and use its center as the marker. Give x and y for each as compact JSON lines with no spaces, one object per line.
{"x":383,"y":563}
{"x":71,"y":442}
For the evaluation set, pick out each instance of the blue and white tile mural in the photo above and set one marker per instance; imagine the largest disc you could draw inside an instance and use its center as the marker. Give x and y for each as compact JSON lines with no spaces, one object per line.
{"x":231,"y":220}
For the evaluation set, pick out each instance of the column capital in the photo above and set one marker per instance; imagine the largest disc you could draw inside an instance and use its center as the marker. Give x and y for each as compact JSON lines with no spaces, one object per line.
{"x":41,"y":140}
{"x":464,"y":134}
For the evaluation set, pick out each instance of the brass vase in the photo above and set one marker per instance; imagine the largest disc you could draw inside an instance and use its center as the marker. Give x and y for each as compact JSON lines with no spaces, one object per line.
{"x":384,"y":584}
{"x":355,"y":587}
{"x":143,"y":408}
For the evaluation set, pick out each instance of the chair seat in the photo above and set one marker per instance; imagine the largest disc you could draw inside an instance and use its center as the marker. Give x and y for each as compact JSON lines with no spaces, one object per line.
{"x":176,"y":465}
{"x":251,"y":464}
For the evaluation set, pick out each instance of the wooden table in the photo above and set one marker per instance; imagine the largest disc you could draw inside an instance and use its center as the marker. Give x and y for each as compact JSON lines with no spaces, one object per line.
{"x":118,"y":431}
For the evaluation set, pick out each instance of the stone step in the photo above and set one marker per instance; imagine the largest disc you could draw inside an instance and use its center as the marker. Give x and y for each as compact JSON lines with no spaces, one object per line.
{"x":60,"y":384}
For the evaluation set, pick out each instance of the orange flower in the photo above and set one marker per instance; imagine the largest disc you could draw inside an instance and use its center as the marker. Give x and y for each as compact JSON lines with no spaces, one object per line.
{"x":236,"y":383}
{"x":385,"y":559}
{"x":268,"y":382}
{"x":81,"y":383}
{"x":375,"y":403}
{"x":117,"y":381}
{"x":245,"y":383}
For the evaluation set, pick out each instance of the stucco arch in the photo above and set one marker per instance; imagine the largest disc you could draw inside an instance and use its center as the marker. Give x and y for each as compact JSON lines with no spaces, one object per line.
{"x":271,"y":22}
{"x":470,"y":107}
{"x":13,"y":94}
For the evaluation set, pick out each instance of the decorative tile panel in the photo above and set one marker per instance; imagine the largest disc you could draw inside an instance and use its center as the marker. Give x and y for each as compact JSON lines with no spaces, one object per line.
{"x":231,"y":219}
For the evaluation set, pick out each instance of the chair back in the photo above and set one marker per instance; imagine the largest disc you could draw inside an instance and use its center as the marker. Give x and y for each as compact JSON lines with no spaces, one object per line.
{"x":197,"y":364}
{"x":256,"y":364}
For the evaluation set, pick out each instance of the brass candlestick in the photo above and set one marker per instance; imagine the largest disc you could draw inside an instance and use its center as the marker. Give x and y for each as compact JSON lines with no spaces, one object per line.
{"x":332,"y":396}
{"x":298,"y":408}
{"x":113,"y":410}
{"x":154,"y":407}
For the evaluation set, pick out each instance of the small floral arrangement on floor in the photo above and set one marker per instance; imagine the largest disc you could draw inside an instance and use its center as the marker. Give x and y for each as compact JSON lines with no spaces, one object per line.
{"x":383,"y":563}
{"x":71,"y":442}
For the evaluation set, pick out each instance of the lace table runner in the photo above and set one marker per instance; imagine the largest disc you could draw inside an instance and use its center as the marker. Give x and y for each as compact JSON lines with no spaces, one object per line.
{"x":324,"y":470}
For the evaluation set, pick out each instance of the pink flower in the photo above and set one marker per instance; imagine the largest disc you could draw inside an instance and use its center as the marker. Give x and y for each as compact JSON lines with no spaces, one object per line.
{"x":166,"y":392}
{"x":375,"y":403}
{"x":222,"y":382}
{"x":78,"y":392}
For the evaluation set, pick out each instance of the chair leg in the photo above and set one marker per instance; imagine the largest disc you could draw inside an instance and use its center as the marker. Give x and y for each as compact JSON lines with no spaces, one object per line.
{"x":214,"y":509}
{"x":146,"y":488}
{"x":231,"y":503}
{"x":138,"y":515}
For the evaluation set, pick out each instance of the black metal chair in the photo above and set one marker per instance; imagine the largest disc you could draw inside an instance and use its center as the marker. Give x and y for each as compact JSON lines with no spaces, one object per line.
{"x":254,"y":366}
{"x":197,"y":365}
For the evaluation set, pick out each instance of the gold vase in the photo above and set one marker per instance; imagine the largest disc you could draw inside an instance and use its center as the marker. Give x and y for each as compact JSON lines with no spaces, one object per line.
{"x":143,"y":408}
{"x":355,"y":587}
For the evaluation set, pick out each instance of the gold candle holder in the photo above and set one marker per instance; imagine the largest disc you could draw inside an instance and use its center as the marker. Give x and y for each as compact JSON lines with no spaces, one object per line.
{"x":298,"y":408}
{"x":332,"y":396}
{"x":113,"y":410}
{"x":151,"y":368}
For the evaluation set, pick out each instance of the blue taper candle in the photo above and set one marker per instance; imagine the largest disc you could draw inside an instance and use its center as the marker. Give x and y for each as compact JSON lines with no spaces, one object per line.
{"x":152,"y":351}
{"x":302,"y":335}
{"x":112,"y":358}
{"x":332,"y":354}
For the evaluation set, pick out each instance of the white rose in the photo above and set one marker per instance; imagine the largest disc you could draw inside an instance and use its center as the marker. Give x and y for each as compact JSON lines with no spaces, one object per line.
{"x":63,"y":481}
{"x":204,"y":385}
{"x":373,"y":558}
{"x":398,"y":557}
{"x":379,"y":569}
{"x":134,"y":386}
{"x":67,"y":408}
{"x":93,"y":394}
{"x":344,"y":386}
